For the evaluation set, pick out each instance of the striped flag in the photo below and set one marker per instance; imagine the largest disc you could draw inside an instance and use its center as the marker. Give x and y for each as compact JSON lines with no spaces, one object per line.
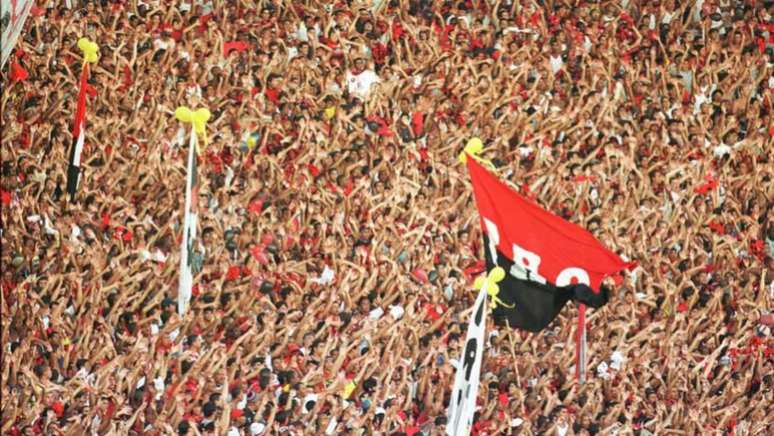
{"x":462,"y":405}
{"x":79,"y":127}
{"x":189,"y":229}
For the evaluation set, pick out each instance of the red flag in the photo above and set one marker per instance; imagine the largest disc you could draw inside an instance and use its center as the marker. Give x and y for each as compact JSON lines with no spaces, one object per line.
{"x":527,"y":233}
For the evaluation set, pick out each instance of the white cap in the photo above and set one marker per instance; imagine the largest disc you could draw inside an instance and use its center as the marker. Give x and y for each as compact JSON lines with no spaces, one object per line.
{"x":233,"y":432}
{"x":515,"y":422}
{"x":257,"y":428}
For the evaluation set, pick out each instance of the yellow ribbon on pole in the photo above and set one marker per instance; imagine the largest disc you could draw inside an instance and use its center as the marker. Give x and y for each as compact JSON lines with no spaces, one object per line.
{"x":198,"y":118}
{"x":474,"y":148}
{"x":492,"y":288}
{"x":89,"y":50}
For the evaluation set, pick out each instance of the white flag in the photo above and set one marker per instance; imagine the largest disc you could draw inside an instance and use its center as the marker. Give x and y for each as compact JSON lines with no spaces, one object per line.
{"x":189,"y":229}
{"x":462,"y":406}
{"x":13,"y":13}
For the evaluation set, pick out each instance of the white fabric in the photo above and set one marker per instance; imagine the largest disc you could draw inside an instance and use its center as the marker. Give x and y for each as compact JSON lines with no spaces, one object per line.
{"x":75,"y":233}
{"x":396,"y":312}
{"x":360,"y":84}
{"x":189,"y":234}
{"x":616,"y":360}
{"x":556,"y":63}
{"x":331,"y":429}
{"x":376,"y":313}
{"x":463,"y":400}
{"x":326,"y":277}
{"x":11,"y":32}
{"x":602,"y":371}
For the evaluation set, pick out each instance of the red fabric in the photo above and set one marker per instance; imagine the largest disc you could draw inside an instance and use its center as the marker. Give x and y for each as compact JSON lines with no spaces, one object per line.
{"x":128,"y":81}
{"x":58,"y":408}
{"x":6,"y":198}
{"x":474,"y":270}
{"x":559,"y":243}
{"x":18,"y":73}
{"x":420,"y":275}
{"x":432,"y":313}
{"x":418,"y":123}
{"x":711,"y":183}
{"x":105,"y":219}
{"x":239,"y":46}
{"x":348,"y":187}
{"x":272,"y":94}
{"x":80,"y":111}
{"x":716,"y":227}
{"x":233,"y":273}
{"x":259,"y":255}
{"x":397,"y":30}
{"x":255,"y":207}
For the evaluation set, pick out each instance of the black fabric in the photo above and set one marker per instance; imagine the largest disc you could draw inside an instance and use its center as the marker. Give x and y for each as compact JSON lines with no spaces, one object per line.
{"x":535,"y":305}
{"x":73,"y":172}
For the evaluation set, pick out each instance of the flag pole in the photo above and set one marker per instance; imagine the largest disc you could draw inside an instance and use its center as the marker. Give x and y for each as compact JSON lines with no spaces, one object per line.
{"x":580,"y":346}
{"x":90,"y":56}
{"x":186,"y":276}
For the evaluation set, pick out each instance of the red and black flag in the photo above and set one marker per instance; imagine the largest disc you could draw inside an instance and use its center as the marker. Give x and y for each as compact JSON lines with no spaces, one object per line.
{"x":550,"y":260}
{"x":90,"y":56}
{"x":79,"y":133}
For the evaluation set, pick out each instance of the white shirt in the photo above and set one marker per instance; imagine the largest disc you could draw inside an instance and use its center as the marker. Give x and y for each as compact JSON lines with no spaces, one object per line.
{"x":556,"y":63}
{"x":360,"y":84}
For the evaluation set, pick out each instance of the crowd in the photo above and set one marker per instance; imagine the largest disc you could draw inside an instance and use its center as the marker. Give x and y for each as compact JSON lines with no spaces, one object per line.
{"x":338,"y":233}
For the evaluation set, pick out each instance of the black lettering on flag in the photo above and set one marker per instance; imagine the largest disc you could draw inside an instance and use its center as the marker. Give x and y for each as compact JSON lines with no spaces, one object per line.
{"x":470,"y":357}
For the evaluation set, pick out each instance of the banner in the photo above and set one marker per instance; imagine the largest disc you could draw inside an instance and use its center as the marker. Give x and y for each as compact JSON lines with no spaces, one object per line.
{"x":462,"y":405}
{"x":189,"y":229}
{"x":13,"y":14}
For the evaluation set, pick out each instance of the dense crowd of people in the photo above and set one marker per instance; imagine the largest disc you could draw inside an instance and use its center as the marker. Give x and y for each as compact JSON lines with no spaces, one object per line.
{"x":338,"y":232}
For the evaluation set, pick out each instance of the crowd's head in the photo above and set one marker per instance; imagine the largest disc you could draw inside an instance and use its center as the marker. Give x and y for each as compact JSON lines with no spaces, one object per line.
{"x":337,"y":236}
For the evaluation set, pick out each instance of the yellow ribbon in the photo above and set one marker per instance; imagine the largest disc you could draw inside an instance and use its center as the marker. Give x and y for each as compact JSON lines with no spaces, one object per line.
{"x":492,"y":288}
{"x":198,"y":118}
{"x":474,"y":148}
{"x":89,"y":50}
